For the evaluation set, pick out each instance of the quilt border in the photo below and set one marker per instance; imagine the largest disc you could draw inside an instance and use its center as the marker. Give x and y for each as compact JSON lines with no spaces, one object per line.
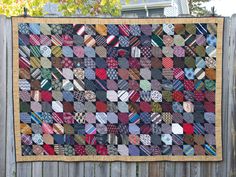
{"x":86,"y":20}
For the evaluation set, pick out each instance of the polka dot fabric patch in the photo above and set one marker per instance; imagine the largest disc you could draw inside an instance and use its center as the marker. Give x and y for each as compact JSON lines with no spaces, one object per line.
{"x":117,"y":91}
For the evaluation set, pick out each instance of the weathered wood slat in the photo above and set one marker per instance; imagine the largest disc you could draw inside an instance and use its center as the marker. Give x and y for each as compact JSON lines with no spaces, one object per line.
{"x":128,"y":169}
{"x":169,"y":169}
{"x":180,"y":169}
{"x":37,"y":169}
{"x":24,"y":169}
{"x":143,"y":169}
{"x":63,"y":169}
{"x":50,"y":169}
{"x":102,"y":169}
{"x":76,"y":169}
{"x":116,"y":169}
{"x":195,"y":169}
{"x":88,"y":169}
{"x":156,"y":169}
{"x":231,"y":138}
{"x":3,"y":96}
{"x":10,"y":146}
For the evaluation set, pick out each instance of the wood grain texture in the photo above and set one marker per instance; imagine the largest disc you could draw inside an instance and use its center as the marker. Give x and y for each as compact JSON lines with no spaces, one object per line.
{"x":128,"y":169}
{"x":115,"y":169}
{"x":37,"y":169}
{"x":102,"y":169}
{"x":88,"y":169}
{"x":10,"y":145}
{"x":50,"y":169}
{"x":3,"y":94}
{"x":63,"y":169}
{"x":231,"y":129}
{"x":76,"y":169}
{"x":24,"y":169}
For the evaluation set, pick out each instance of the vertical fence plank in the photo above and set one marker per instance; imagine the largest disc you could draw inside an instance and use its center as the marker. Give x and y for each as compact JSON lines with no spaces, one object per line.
{"x":102,"y":169}
{"x":10,"y":147}
{"x":180,"y":169}
{"x":128,"y":169}
{"x":231,"y":129}
{"x":24,"y":169}
{"x":221,"y":167}
{"x":88,"y":169}
{"x":37,"y":169}
{"x":143,"y":170}
{"x":50,"y":169}
{"x":156,"y":169}
{"x":76,"y":169}
{"x":3,"y":96}
{"x":115,"y":169}
{"x":169,"y":169}
{"x":195,"y":169}
{"x":63,"y":169}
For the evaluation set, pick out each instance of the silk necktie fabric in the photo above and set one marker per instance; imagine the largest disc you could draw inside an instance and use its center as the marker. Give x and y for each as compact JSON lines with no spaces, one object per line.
{"x":92,"y":89}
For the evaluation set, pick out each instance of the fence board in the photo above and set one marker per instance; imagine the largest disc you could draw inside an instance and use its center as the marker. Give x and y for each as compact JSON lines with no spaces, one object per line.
{"x":143,"y":170}
{"x":3,"y":95}
{"x":88,"y":169}
{"x":102,"y":169}
{"x":63,"y":169}
{"x":128,"y":169}
{"x":37,"y":169}
{"x":76,"y":169}
{"x":10,"y":146}
{"x":24,"y":169}
{"x":180,"y":169}
{"x":169,"y":169}
{"x":231,"y":152}
{"x":195,"y":169}
{"x":115,"y":169}
{"x":156,"y":169}
{"x":50,"y":169}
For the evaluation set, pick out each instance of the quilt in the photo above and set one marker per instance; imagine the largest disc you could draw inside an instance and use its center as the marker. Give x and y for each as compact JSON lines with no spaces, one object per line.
{"x":99,"y":89}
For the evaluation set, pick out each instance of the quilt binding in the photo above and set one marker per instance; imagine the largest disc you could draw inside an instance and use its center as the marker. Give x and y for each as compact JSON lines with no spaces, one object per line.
{"x":85,"y":20}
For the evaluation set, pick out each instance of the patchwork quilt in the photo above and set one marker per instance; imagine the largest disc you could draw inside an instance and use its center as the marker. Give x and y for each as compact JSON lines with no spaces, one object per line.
{"x":117,"y":89}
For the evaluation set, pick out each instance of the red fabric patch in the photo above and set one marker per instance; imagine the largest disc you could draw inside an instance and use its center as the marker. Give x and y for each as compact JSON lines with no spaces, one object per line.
{"x":112,"y":62}
{"x":145,"y":107}
{"x":101,"y":149}
{"x":209,"y":107}
{"x":101,"y":106}
{"x":123,"y":118}
{"x":210,"y":96}
{"x":111,"y":128}
{"x":188,"y":128}
{"x":90,"y":139}
{"x":101,"y":73}
{"x":167,"y":62}
{"x":178,"y":96}
{"x":49,"y":149}
{"x":80,"y":150}
{"x":134,"y":96}
{"x":146,"y":129}
{"x":46,"y":96}
{"x":199,"y":95}
{"x":188,"y":85}
{"x":178,"y":73}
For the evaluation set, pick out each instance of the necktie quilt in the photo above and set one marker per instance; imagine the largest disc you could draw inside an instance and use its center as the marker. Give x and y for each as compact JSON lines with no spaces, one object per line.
{"x":94,"y":89}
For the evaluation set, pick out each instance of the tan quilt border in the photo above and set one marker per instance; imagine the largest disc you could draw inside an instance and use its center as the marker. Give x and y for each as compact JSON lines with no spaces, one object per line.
{"x":84,"y":20}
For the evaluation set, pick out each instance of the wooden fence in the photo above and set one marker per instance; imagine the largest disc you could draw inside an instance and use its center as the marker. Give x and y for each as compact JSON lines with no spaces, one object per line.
{"x":226,"y":168}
